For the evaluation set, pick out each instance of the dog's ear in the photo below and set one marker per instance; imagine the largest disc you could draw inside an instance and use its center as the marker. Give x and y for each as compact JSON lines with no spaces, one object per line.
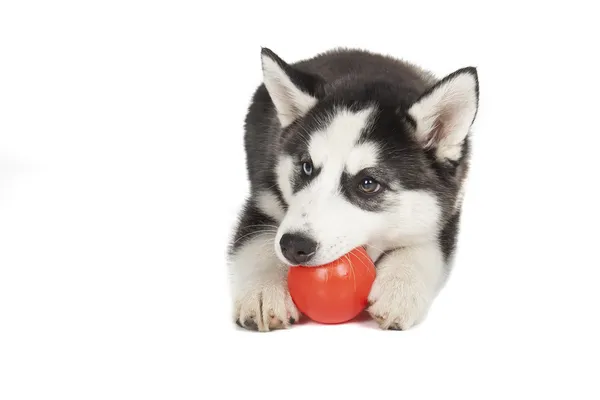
{"x":444,"y":114}
{"x":292,"y":91}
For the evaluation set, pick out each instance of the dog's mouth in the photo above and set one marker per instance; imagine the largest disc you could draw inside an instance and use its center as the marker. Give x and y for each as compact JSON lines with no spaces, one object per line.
{"x":319,"y":259}
{"x":297,"y":249}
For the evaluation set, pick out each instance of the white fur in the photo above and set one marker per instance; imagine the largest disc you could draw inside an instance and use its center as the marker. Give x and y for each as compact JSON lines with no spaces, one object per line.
{"x":362,"y":156}
{"x":268,"y":203}
{"x":284,"y":171}
{"x":415,"y":216}
{"x":413,"y":222}
{"x":258,"y":278}
{"x":290,"y":102}
{"x":408,"y":279}
{"x":334,"y":144}
{"x":319,"y":210}
{"x":460,"y":195}
{"x":452,"y":105}
{"x":412,"y":270}
{"x":373,"y":251}
{"x":324,"y":214}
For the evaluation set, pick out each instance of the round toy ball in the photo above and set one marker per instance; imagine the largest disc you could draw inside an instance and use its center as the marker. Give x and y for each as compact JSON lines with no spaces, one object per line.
{"x":336,"y":292}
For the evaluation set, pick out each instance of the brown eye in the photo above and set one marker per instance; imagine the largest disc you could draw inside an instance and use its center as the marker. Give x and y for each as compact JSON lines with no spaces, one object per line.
{"x":369,"y":185}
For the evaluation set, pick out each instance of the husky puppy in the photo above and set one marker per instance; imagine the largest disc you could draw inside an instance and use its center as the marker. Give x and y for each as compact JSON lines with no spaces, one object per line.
{"x":346,"y":149}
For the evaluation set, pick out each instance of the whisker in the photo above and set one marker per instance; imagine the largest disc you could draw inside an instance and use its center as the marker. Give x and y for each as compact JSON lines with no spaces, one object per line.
{"x":269,"y":244}
{"x":261,"y":225}
{"x":363,"y":263}
{"x":352,"y":268}
{"x":258,"y":233}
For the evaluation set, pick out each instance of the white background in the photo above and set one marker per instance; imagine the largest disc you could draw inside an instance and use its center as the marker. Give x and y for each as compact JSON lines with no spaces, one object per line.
{"x":122,"y":170}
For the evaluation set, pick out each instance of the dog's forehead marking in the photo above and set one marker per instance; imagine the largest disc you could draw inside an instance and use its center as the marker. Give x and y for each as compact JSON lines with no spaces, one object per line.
{"x":362,"y":156}
{"x":285,"y":168}
{"x":335,"y":148}
{"x":336,"y":144}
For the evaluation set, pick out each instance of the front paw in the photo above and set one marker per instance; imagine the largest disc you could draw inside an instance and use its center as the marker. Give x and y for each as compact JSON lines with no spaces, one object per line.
{"x":397,"y":302}
{"x":265,"y":307}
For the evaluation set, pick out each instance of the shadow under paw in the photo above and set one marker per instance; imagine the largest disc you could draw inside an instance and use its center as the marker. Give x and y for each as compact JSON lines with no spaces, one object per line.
{"x":273,"y":323}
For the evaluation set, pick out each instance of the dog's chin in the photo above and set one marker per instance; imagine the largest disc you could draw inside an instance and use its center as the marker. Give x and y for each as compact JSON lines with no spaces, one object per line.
{"x":287,"y":263}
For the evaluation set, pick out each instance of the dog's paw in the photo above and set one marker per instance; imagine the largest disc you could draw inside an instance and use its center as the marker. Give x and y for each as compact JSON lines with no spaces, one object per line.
{"x":266,"y":307}
{"x":397,"y":302}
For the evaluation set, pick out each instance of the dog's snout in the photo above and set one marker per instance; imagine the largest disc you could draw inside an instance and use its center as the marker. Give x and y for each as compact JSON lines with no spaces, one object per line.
{"x":297,"y":248}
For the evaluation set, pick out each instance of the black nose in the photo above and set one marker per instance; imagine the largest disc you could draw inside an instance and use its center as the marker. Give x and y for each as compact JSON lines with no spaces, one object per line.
{"x":297,"y":248}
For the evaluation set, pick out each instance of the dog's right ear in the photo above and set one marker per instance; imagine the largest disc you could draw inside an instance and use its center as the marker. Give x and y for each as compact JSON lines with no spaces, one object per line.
{"x":293,"y":92}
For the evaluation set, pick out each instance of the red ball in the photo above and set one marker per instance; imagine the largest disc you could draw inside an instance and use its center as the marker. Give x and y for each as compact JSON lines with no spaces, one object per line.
{"x":336,"y":292}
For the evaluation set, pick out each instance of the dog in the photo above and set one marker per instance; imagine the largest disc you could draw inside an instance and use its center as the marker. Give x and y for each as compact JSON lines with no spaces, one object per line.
{"x":351,"y":148}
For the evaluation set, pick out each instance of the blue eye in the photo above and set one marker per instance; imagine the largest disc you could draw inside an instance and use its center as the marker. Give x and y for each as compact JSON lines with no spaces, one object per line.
{"x":307,"y":168}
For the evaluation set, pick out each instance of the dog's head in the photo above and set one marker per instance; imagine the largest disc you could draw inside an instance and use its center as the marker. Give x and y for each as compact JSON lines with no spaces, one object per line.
{"x":356,"y":167}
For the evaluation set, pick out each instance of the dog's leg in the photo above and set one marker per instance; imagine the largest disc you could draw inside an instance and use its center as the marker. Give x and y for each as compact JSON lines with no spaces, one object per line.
{"x":259,"y":280}
{"x":408,"y":279}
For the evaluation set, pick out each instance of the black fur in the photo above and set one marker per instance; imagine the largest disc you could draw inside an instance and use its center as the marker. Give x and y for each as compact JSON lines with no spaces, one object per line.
{"x":252,"y":222}
{"x":449,"y":234}
{"x":346,"y":77}
{"x":301,"y":179}
{"x":354,"y":79}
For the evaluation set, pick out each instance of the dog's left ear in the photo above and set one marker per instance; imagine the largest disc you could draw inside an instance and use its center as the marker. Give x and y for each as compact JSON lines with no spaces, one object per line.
{"x":292,"y":91}
{"x":444,"y":114}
